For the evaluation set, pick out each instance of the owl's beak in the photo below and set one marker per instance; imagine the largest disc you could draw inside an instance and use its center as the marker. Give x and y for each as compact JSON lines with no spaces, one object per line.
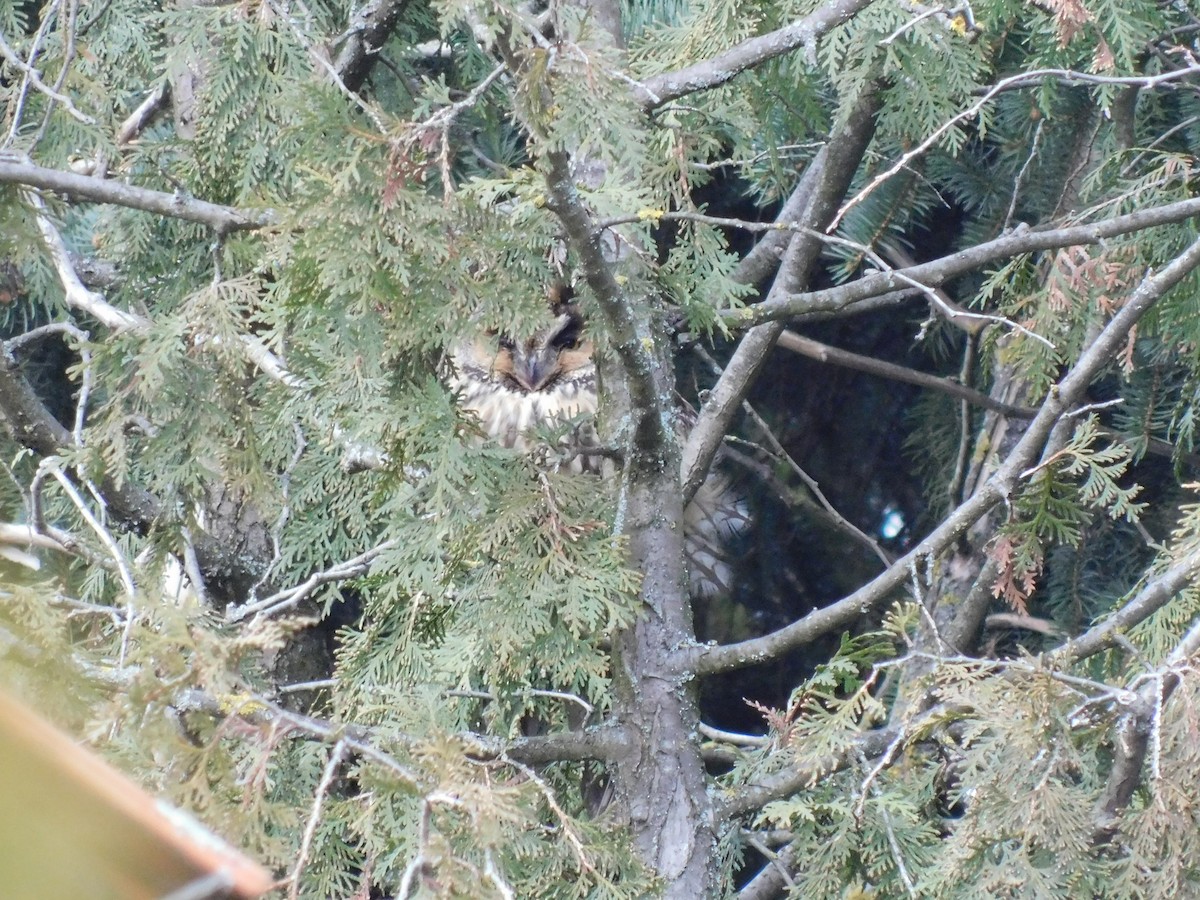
{"x":533,"y":372}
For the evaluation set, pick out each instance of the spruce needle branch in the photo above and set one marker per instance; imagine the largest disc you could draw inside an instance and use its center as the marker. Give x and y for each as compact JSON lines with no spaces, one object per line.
{"x":939,"y":271}
{"x":1067,"y":76}
{"x":1062,"y":397}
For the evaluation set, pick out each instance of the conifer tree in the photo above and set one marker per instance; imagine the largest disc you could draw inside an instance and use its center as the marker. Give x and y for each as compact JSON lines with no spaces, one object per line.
{"x":256,"y":552}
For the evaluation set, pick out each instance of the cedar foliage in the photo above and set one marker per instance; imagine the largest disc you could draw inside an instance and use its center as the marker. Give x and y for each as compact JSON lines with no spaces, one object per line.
{"x":255,"y":553}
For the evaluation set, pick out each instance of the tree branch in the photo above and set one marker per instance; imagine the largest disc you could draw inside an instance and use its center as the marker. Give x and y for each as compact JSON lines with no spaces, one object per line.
{"x":650,"y":408}
{"x":939,"y":271}
{"x":32,"y":426}
{"x":1013,"y":81}
{"x":755,"y":51}
{"x":1066,"y":394}
{"x":1132,"y":739}
{"x":1153,"y":597}
{"x":829,"y":175}
{"x":789,"y":340}
{"x":222,"y":219}
{"x":372,"y":26}
{"x":752,"y":797}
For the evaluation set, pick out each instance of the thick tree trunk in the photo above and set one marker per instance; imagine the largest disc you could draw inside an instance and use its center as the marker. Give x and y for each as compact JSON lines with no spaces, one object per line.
{"x":660,"y":785}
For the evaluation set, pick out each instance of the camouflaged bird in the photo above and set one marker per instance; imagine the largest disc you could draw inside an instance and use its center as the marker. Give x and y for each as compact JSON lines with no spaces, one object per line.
{"x":514,"y":386}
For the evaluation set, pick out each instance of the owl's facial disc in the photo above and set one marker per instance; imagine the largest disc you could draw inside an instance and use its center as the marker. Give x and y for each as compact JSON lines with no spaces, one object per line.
{"x":536,"y":364}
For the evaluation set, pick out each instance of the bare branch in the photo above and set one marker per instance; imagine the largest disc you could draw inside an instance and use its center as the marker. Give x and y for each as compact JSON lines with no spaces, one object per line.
{"x":1067,"y":76}
{"x":32,"y":426}
{"x":1134,"y":729}
{"x":830,"y":175}
{"x":778,"y":451}
{"x":637,"y":361}
{"x":336,"y":756}
{"x":373,"y":24}
{"x":774,"y":877}
{"x":939,"y":271}
{"x":753,"y":52}
{"x":289,"y":597}
{"x":77,"y":295}
{"x":222,"y":219}
{"x":135,"y":123}
{"x":321,"y":58}
{"x":35,"y":79}
{"x":752,"y":797}
{"x":789,"y":340}
{"x":709,"y":733}
{"x":1065,"y":395}
{"x":1144,"y":603}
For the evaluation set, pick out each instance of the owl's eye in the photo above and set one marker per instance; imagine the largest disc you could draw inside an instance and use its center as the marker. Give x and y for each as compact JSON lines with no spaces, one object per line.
{"x":569,"y":337}
{"x":506,"y":343}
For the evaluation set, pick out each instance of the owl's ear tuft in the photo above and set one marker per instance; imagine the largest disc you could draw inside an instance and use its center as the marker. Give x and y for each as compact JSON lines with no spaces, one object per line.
{"x":568,"y":334}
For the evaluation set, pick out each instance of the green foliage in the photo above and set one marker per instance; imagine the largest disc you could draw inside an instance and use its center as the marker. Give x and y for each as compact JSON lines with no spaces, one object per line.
{"x":268,"y":474}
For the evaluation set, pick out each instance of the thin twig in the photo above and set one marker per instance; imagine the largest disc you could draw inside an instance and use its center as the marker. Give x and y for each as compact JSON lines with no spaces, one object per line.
{"x":811,"y":483}
{"x":290,"y":597}
{"x":336,"y":755}
{"x":31,"y":73}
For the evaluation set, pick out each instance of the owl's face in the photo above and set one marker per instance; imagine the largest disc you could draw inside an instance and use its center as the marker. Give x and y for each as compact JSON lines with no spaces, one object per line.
{"x":542,"y":362}
{"x":514,"y":385}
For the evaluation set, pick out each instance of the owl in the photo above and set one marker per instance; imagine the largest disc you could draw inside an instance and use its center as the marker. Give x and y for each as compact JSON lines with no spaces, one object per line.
{"x":515,"y":386}
{"x":548,"y":379}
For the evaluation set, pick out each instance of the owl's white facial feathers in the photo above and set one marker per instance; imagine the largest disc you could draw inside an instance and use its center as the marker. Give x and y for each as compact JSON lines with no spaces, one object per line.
{"x":514,"y":386}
